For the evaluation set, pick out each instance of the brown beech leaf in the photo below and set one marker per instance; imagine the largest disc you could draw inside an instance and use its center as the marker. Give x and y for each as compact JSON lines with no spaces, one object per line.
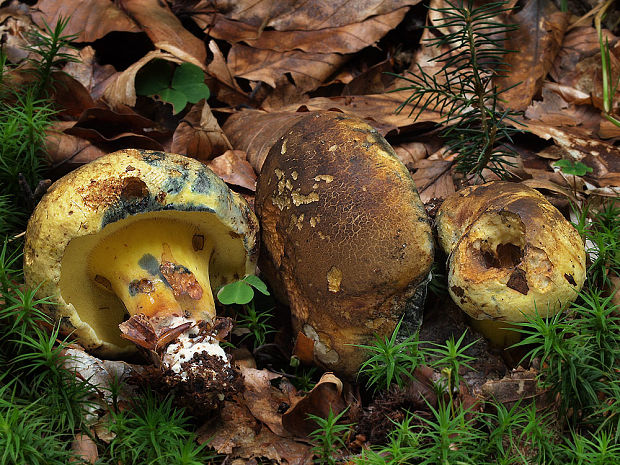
{"x":554,"y":110}
{"x":349,"y":38}
{"x":578,"y":64}
{"x":517,"y":386}
{"x":122,"y":90}
{"x":70,"y":95}
{"x":84,"y":448}
{"x":118,"y":129}
{"x":199,"y":135}
{"x":300,"y":14}
{"x":538,"y":40}
{"x":411,"y":152}
{"x":166,"y":30}
{"x":304,"y":348}
{"x":90,"y":20}
{"x":264,"y":400}
{"x":601,"y":156}
{"x":69,"y":151}
{"x":378,"y":109}
{"x":308,"y":70}
{"x":325,"y":396}
{"x":89,"y":73}
{"x":102,"y":373}
{"x":14,"y":27}
{"x":234,"y":169}
{"x":266,"y":129}
{"x":223,"y":84}
{"x":238,"y":435}
{"x":433,"y":178}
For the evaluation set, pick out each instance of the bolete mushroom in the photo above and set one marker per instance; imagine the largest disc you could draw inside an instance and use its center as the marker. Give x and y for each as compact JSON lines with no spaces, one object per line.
{"x":139,"y":235}
{"x":344,"y":235}
{"x":510,"y":254}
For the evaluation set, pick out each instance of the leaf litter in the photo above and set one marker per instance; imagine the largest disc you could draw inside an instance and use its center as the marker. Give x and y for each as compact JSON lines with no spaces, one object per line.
{"x":266,"y":64}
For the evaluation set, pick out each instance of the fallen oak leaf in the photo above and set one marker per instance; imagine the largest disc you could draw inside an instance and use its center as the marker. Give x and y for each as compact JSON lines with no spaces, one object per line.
{"x":266,"y":129}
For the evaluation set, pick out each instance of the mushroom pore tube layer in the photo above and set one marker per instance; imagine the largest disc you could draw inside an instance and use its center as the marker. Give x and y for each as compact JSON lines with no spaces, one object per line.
{"x":155,"y":263}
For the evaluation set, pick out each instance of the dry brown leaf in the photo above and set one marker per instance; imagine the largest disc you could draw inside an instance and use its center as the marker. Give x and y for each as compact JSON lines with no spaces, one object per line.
{"x":226,"y":88}
{"x":412,"y":152}
{"x":69,"y":151}
{"x":373,"y":80}
{"x":433,"y":178}
{"x":378,"y":109}
{"x":326,"y":396}
{"x":234,"y":169}
{"x":517,"y":386}
{"x":304,"y":348}
{"x":70,"y":95}
{"x":578,"y":64}
{"x":538,"y":40}
{"x":349,"y":38}
{"x":84,"y":448}
{"x":90,"y":20}
{"x":554,"y":110}
{"x":602,"y":157}
{"x":300,"y":14}
{"x":263,"y":399}
{"x":94,"y":77}
{"x":14,"y":27}
{"x":308,"y":70}
{"x":122,"y":90}
{"x":102,"y":373}
{"x":266,"y":129}
{"x":199,"y":135}
{"x":118,"y":129}
{"x":166,"y":30}
{"x":238,"y":435}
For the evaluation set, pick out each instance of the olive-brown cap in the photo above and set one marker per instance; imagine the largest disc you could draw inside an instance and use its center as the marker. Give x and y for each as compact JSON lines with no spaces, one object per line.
{"x":107,"y":194}
{"x":344,"y":233}
{"x":511,"y":253}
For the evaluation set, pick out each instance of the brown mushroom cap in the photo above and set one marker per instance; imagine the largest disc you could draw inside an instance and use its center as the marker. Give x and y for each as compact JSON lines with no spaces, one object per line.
{"x":344,"y":233}
{"x":110,"y":194}
{"x":511,"y":253}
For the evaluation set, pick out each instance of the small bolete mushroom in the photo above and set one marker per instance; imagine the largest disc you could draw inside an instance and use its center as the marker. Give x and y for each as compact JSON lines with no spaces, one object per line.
{"x":344,"y":234}
{"x":142,"y":235}
{"x":511,"y":254}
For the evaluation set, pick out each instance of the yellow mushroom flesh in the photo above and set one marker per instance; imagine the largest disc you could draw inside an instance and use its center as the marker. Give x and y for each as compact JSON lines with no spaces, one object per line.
{"x":156,"y":267}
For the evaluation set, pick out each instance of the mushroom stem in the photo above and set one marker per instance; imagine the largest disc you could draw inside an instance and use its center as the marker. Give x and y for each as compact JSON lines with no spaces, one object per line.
{"x":154,"y":267}
{"x":500,"y":334}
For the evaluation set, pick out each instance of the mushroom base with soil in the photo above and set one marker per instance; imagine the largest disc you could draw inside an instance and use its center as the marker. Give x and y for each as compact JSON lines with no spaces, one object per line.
{"x":139,"y":239}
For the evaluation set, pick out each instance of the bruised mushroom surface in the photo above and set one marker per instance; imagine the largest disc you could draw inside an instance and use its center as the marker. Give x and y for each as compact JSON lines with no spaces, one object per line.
{"x":140,"y":236}
{"x":344,"y":233}
{"x":511,"y":253}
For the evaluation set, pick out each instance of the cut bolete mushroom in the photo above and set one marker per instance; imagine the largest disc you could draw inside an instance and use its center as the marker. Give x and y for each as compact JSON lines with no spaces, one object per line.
{"x":139,"y":235}
{"x":344,"y":235}
{"x":511,"y":253}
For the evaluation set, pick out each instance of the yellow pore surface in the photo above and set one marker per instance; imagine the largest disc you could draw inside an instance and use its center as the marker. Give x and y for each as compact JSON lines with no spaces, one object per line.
{"x":155,"y":266}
